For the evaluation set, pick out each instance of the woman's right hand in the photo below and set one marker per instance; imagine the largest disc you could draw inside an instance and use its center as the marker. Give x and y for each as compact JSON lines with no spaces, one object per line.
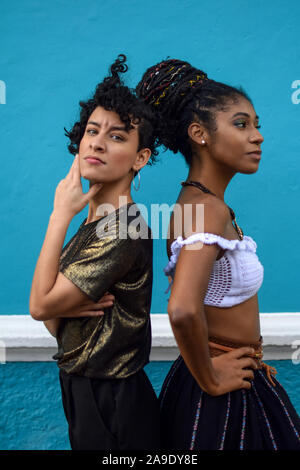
{"x":233,"y":370}
{"x":89,"y":308}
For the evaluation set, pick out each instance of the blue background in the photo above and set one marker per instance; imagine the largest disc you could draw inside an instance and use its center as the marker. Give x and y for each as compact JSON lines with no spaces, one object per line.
{"x":32,"y":418}
{"x":53,"y":54}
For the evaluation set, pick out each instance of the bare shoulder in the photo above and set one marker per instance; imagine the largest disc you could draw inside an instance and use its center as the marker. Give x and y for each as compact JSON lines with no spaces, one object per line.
{"x":196,"y":260}
{"x":207,"y":214}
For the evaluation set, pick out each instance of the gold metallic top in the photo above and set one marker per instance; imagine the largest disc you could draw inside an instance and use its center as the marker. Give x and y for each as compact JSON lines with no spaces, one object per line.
{"x":112,"y":254}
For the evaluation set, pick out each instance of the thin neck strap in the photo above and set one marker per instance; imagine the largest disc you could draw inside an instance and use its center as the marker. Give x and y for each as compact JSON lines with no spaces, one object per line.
{"x":203,"y":188}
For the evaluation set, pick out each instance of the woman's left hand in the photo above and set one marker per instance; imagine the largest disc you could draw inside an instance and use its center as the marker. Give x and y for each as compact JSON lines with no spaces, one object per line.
{"x":69,"y":198}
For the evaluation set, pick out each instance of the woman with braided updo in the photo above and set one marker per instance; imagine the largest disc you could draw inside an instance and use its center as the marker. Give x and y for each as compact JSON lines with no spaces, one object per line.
{"x":218,"y":394}
{"x":94,"y":295}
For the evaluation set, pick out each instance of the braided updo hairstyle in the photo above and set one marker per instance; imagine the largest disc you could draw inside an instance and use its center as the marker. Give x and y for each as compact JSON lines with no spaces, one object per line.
{"x":181,"y":94}
{"x":113,"y":95}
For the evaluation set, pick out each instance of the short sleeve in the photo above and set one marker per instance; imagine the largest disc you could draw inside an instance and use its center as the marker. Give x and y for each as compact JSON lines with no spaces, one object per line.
{"x":102,"y":262}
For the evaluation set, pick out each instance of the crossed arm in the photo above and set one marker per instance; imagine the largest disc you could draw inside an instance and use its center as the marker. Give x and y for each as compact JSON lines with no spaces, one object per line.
{"x":53,"y":296}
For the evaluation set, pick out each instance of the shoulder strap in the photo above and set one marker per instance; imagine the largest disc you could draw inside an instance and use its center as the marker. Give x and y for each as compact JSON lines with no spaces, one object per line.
{"x":200,"y":186}
{"x":197,"y":185}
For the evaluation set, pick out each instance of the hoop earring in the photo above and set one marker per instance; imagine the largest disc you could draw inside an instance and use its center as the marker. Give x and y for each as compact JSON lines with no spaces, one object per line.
{"x":139,"y":183}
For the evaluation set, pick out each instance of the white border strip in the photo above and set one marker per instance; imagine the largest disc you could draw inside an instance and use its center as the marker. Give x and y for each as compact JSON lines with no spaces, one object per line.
{"x":25,"y":339}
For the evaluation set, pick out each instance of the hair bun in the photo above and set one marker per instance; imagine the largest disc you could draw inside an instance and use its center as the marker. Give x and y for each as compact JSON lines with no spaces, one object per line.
{"x":167,"y":87}
{"x":119,"y":65}
{"x":167,"y":79}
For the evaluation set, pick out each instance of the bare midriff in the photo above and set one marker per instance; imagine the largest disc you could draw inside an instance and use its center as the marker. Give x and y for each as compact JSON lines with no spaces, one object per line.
{"x":239,"y":323}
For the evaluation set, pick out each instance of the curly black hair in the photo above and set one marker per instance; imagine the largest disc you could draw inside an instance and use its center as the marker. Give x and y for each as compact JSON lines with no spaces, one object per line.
{"x":113,"y":95}
{"x":180,"y":94}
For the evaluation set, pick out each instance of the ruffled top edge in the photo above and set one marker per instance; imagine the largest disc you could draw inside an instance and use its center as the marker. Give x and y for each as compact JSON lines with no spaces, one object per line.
{"x":208,"y":239}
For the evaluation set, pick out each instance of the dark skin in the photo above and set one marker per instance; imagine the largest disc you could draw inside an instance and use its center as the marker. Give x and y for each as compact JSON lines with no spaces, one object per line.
{"x":218,"y":156}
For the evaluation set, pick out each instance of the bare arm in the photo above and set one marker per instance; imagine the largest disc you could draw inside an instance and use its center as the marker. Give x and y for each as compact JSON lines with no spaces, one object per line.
{"x":47,"y":267}
{"x":52,"y":294}
{"x":187,"y":317}
{"x":87,"y":308}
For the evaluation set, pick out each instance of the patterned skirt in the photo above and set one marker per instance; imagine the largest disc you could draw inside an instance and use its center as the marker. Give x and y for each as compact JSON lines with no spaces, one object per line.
{"x":262,"y":417}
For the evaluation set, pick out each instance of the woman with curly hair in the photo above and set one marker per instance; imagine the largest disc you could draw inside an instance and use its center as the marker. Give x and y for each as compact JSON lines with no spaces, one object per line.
{"x":218,"y":394}
{"x":108,"y":400}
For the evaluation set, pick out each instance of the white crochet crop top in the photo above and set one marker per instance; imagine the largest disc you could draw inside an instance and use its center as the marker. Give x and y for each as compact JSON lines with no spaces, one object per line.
{"x":235,"y":277}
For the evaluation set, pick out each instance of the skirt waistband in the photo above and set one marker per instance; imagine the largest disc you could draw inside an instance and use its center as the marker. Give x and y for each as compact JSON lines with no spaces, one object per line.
{"x":218,"y":346}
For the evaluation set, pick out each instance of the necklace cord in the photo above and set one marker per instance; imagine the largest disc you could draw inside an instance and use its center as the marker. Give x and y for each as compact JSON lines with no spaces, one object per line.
{"x":203,"y":188}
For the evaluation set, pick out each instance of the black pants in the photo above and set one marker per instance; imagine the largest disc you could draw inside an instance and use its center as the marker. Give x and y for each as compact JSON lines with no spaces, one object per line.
{"x":111,"y":414}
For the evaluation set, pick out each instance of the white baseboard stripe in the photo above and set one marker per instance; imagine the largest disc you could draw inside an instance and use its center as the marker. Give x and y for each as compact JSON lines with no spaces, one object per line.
{"x":23,"y":339}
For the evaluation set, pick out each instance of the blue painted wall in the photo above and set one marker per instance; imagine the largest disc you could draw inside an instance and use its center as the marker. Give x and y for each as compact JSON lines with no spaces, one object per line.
{"x":32,"y":416}
{"x":52,"y":55}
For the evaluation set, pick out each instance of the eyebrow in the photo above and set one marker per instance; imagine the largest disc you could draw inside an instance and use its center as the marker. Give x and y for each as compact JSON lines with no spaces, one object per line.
{"x":112,"y":128}
{"x":245,"y":114}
